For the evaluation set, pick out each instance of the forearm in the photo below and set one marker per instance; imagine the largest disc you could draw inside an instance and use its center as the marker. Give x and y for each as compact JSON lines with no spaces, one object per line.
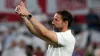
{"x":32,"y":29}
{"x":38,"y":26}
{"x":48,"y":35}
{"x":29,"y":26}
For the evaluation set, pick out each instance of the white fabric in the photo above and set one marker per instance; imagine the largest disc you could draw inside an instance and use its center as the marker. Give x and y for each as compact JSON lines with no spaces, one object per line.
{"x":81,"y":39}
{"x":67,"y":40}
{"x":27,"y":39}
{"x":97,"y":52}
{"x":37,"y":42}
{"x":16,"y":51}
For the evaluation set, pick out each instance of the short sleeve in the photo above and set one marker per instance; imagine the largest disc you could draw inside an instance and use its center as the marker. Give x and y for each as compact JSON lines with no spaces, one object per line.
{"x":61,"y":38}
{"x":65,"y":38}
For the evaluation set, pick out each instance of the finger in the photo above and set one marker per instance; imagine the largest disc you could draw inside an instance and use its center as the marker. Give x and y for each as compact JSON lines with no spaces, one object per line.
{"x":21,"y":4}
{"x":17,"y":9}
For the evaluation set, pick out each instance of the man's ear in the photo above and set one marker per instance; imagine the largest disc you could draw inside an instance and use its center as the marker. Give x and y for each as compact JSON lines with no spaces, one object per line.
{"x":66,"y":22}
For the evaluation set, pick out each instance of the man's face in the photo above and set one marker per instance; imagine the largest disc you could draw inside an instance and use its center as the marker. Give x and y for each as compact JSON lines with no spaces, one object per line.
{"x":57,"y":22}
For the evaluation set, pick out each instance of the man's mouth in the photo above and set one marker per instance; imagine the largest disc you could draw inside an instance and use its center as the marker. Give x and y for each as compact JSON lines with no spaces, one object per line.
{"x":54,"y":26}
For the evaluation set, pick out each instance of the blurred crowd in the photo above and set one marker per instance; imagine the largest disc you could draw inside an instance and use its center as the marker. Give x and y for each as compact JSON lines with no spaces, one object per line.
{"x":16,"y":40}
{"x":87,"y":33}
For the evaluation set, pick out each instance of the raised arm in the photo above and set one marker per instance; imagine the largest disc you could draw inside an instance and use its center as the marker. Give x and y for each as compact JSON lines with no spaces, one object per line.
{"x":34,"y":26}
{"x":32,"y":29}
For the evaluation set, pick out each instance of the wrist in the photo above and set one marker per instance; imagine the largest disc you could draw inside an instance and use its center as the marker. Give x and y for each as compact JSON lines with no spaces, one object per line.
{"x":29,"y":16}
{"x":25,"y":15}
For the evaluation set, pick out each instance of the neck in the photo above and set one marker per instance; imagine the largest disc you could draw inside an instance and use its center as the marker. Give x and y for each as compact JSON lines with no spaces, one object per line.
{"x":62,"y":29}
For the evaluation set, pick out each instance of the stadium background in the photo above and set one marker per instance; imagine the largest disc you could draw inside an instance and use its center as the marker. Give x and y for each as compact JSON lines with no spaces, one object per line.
{"x":16,"y":40}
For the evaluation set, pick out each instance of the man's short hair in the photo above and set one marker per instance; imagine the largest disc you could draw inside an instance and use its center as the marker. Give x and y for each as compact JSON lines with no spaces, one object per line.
{"x":66,"y":15}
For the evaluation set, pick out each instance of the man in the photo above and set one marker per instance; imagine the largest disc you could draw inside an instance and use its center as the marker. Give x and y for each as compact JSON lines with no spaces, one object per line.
{"x":61,"y":42}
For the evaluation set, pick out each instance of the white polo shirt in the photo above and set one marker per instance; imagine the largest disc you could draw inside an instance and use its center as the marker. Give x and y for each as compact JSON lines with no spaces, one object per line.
{"x":66,"y":47}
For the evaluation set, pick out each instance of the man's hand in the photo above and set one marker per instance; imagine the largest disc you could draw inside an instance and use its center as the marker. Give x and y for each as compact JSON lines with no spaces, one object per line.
{"x":21,"y":10}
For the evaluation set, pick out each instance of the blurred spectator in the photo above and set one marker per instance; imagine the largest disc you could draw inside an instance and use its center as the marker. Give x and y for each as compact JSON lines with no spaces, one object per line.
{"x":22,"y":44}
{"x":21,"y":36}
{"x":89,"y":50}
{"x":10,"y":50}
{"x":14,"y":50}
{"x":21,"y":27}
{"x":82,"y":39}
{"x":39,"y":52}
{"x":37,"y":42}
{"x":21,"y":48}
{"x":92,"y":20}
{"x":89,"y":39}
{"x":1,"y":40}
{"x":97,"y":51}
{"x":4,"y":24}
{"x":29,"y":50}
{"x":95,"y":36}
{"x":9,"y":37}
{"x":78,"y":23}
{"x":78,"y":52}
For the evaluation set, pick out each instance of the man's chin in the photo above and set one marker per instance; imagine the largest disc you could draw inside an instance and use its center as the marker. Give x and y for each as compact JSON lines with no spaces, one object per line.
{"x":55,"y":29}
